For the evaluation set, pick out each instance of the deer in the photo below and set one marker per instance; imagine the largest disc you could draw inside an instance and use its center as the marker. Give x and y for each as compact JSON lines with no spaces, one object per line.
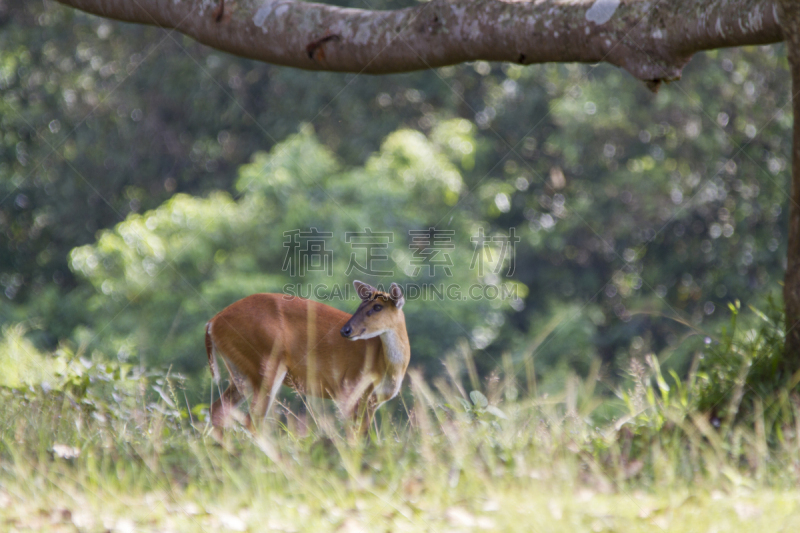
{"x":268,"y":340}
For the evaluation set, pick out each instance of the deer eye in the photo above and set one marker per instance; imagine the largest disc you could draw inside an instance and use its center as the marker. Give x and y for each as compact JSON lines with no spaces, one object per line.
{"x":377,"y":307}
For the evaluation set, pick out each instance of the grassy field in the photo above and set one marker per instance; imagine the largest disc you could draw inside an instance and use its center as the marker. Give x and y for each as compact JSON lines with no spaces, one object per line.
{"x":105,"y":448}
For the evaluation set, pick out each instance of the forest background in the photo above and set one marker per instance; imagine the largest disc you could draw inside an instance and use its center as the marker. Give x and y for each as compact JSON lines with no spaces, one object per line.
{"x":147,"y":182}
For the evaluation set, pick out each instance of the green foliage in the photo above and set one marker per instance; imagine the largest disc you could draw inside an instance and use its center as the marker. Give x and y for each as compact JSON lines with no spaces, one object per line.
{"x":163,"y":176}
{"x":641,"y":217}
{"x":734,"y":392}
{"x":161,"y":275}
{"x":95,"y":386}
{"x":109,"y":446}
{"x":480,"y":408}
{"x":23,"y":364}
{"x":745,"y":366}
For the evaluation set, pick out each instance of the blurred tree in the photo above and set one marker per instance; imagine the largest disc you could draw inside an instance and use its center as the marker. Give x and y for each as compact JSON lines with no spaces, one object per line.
{"x":306,"y":227}
{"x":652,"y":40}
{"x":631,"y":207}
{"x":791,"y":289}
{"x":96,"y":125}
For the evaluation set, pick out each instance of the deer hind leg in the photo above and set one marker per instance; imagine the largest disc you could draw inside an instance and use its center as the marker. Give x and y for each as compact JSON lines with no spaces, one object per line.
{"x":226,"y":406}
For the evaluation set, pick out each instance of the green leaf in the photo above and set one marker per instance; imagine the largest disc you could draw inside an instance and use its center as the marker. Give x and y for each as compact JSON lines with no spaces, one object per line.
{"x":478,"y":399}
{"x":761,"y":315}
{"x":496,"y":411}
{"x":465,"y":404}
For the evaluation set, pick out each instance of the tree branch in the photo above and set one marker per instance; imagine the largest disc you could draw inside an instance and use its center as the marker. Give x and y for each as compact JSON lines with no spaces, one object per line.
{"x":651,"y":39}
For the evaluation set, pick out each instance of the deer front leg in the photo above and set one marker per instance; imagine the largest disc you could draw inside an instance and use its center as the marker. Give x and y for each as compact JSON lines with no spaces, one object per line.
{"x":363,"y":414}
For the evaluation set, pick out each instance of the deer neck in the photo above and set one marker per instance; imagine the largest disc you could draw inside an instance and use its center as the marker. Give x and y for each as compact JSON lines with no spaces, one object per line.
{"x":396,"y":348}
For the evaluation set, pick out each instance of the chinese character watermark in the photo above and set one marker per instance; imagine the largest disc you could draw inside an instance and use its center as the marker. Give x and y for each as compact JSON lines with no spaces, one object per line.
{"x":307,"y":252}
{"x":429,"y":250}
{"x":483,"y":251}
{"x":374,"y":245}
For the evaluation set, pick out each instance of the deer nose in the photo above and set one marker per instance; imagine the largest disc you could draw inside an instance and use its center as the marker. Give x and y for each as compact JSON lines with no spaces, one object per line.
{"x":346,"y":331}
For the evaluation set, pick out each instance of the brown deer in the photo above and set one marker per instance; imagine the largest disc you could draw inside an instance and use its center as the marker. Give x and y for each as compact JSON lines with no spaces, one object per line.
{"x":266,"y":340}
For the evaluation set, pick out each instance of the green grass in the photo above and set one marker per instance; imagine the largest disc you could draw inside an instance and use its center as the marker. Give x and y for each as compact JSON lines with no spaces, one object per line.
{"x":108,"y":448}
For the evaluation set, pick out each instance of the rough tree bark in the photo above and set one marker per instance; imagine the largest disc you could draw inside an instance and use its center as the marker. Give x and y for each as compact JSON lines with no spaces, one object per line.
{"x":651,"y":39}
{"x":790,"y":20}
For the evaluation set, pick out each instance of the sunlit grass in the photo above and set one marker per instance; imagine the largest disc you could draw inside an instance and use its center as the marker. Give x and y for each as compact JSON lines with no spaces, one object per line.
{"x":109,"y":448}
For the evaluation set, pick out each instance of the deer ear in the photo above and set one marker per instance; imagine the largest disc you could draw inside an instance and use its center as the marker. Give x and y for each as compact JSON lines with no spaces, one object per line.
{"x":397,"y":295}
{"x":363,"y":290}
